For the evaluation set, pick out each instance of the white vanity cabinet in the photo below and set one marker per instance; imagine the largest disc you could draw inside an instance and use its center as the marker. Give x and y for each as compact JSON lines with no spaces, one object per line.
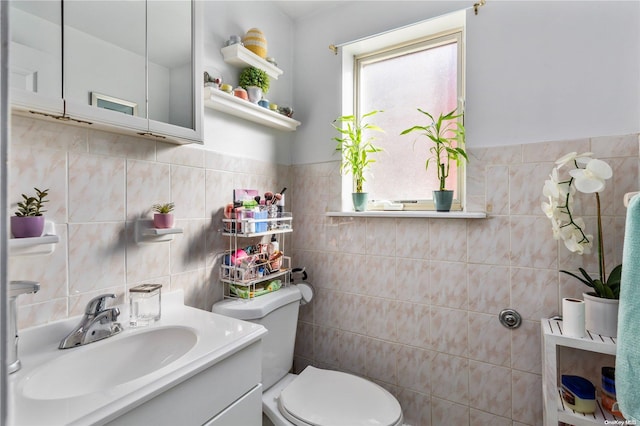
{"x":227,"y":393}
{"x":130,"y":66}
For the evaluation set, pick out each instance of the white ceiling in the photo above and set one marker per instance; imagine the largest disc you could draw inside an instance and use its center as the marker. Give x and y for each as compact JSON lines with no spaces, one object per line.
{"x":299,"y":8}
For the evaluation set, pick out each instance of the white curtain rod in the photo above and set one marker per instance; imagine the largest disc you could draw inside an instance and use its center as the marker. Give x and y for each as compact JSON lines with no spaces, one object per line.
{"x":334,"y":47}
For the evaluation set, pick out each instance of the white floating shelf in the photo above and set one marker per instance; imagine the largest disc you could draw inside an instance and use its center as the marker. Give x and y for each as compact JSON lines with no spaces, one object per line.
{"x":45,"y":244}
{"x":146,"y":233}
{"x":233,"y":105}
{"x":239,"y":56}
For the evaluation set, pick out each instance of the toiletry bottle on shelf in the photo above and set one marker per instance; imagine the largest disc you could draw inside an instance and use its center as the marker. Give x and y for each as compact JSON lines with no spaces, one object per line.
{"x":273,"y":247}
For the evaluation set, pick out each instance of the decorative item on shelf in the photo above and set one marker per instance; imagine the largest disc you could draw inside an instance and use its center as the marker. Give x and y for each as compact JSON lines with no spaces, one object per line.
{"x":255,"y":41}
{"x":255,"y":94}
{"x":447,"y":134}
{"x":28,"y":221}
{"x":212,"y":81}
{"x":233,"y":39}
{"x":272,"y":61}
{"x":239,"y":92}
{"x":163,"y":218}
{"x":226,"y":88}
{"x":356,"y":152}
{"x":285,"y":110}
{"x":588,"y":176}
{"x":264,"y":103}
{"x":273,"y":107}
{"x":252,"y":76}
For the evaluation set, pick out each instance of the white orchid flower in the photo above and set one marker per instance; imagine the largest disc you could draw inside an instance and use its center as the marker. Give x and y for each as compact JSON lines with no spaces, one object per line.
{"x":574,"y":156}
{"x":550,"y":209}
{"x":592,"y":178}
{"x":572,"y":245}
{"x":555,"y":227}
{"x":551,"y":189}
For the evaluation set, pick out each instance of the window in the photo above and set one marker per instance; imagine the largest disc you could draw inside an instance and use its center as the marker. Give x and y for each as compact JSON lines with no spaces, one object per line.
{"x":399,"y":72}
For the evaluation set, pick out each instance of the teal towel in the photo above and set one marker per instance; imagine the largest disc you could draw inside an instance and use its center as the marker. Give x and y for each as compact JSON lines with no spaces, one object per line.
{"x":628,"y":347}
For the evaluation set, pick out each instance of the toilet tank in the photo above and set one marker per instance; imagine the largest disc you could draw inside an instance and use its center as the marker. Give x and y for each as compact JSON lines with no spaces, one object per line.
{"x":278,"y":313}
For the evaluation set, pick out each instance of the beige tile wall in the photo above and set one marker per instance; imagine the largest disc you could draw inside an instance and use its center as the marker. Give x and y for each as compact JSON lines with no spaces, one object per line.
{"x":413,"y":303}
{"x":100,"y":183}
{"x":409,"y":303}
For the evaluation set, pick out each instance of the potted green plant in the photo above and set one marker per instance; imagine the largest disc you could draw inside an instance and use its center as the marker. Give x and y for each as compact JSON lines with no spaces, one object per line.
{"x":163,"y":218}
{"x":28,"y":220}
{"x":447,"y":136}
{"x":255,"y":81}
{"x":356,"y":149}
{"x":588,"y":177}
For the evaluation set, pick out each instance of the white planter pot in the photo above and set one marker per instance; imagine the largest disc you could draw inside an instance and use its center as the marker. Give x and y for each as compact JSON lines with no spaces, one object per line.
{"x":601,"y":315}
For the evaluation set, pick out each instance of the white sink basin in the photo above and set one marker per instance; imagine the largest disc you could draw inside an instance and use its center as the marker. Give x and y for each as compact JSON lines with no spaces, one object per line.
{"x":111,"y":362}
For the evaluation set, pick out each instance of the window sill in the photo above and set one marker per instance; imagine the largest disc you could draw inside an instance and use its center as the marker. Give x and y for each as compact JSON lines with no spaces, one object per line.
{"x":412,"y":214}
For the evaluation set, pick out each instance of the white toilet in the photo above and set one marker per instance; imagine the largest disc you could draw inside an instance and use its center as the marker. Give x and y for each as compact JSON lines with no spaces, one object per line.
{"x":315,"y":397}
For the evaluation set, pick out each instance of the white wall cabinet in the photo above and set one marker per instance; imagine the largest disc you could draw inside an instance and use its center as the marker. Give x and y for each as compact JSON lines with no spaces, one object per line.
{"x":133,"y":67}
{"x":554,"y":408}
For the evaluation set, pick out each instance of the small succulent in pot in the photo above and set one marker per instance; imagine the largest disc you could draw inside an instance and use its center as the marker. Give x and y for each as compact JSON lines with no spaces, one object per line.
{"x":163,"y":218}
{"x":29,"y":220}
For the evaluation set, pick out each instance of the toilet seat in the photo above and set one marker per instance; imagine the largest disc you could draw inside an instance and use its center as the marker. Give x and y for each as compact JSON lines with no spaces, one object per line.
{"x":331,"y":398}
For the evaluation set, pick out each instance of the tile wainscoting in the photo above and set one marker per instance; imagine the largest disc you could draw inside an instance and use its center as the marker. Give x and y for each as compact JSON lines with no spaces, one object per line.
{"x":413,"y":303}
{"x":410,"y":303}
{"x":100,"y":183}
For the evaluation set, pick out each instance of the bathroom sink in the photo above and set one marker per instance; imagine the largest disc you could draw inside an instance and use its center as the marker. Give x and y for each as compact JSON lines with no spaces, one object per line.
{"x":104,"y":365}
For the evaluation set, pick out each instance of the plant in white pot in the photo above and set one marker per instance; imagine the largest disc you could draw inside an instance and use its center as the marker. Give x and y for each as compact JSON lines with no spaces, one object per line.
{"x":355,"y":143}
{"x":447,"y":134}
{"x":163,"y":218}
{"x":588,"y":176}
{"x":255,"y":81}
{"x":29,"y":220}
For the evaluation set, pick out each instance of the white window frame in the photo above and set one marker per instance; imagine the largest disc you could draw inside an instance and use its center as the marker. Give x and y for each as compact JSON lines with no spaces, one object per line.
{"x":411,"y":38}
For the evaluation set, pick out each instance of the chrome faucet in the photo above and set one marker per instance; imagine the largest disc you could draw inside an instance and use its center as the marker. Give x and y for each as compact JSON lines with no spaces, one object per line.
{"x":16,"y":288}
{"x":97,"y":323}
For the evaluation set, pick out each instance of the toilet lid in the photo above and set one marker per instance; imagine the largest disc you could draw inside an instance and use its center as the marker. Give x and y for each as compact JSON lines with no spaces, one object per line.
{"x":331,"y":398}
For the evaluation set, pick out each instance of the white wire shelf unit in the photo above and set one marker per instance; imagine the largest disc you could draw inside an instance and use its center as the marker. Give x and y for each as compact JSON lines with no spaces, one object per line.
{"x":250,"y":266}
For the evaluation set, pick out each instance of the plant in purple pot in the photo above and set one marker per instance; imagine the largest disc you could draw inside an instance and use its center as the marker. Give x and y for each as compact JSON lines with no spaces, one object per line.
{"x":163,"y":218}
{"x":28,"y":220}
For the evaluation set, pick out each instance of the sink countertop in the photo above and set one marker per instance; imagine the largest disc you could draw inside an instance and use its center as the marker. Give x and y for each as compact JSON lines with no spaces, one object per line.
{"x":217,"y":338}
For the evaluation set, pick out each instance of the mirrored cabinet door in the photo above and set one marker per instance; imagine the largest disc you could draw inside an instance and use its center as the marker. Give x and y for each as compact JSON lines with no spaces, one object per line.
{"x":105,"y":61}
{"x":36,"y":55}
{"x":174,"y":107}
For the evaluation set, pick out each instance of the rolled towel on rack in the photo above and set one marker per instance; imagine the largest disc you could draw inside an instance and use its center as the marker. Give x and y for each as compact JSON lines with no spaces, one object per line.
{"x":628,"y":345}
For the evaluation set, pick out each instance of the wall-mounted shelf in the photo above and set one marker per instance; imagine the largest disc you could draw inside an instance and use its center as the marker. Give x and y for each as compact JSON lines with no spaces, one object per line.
{"x":229,"y":104}
{"x":239,"y":56}
{"x":45,"y":244}
{"x":146,"y":233}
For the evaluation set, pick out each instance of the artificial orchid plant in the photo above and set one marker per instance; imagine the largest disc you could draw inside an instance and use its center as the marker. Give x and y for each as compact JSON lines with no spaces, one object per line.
{"x":588,"y":176}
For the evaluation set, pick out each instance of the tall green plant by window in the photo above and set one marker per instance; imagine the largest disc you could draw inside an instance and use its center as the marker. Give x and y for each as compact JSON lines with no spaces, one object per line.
{"x":355,"y":150}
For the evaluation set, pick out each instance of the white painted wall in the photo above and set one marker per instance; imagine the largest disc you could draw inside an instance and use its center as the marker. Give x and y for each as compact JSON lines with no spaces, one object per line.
{"x":234,"y":136}
{"x":536,"y":71}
